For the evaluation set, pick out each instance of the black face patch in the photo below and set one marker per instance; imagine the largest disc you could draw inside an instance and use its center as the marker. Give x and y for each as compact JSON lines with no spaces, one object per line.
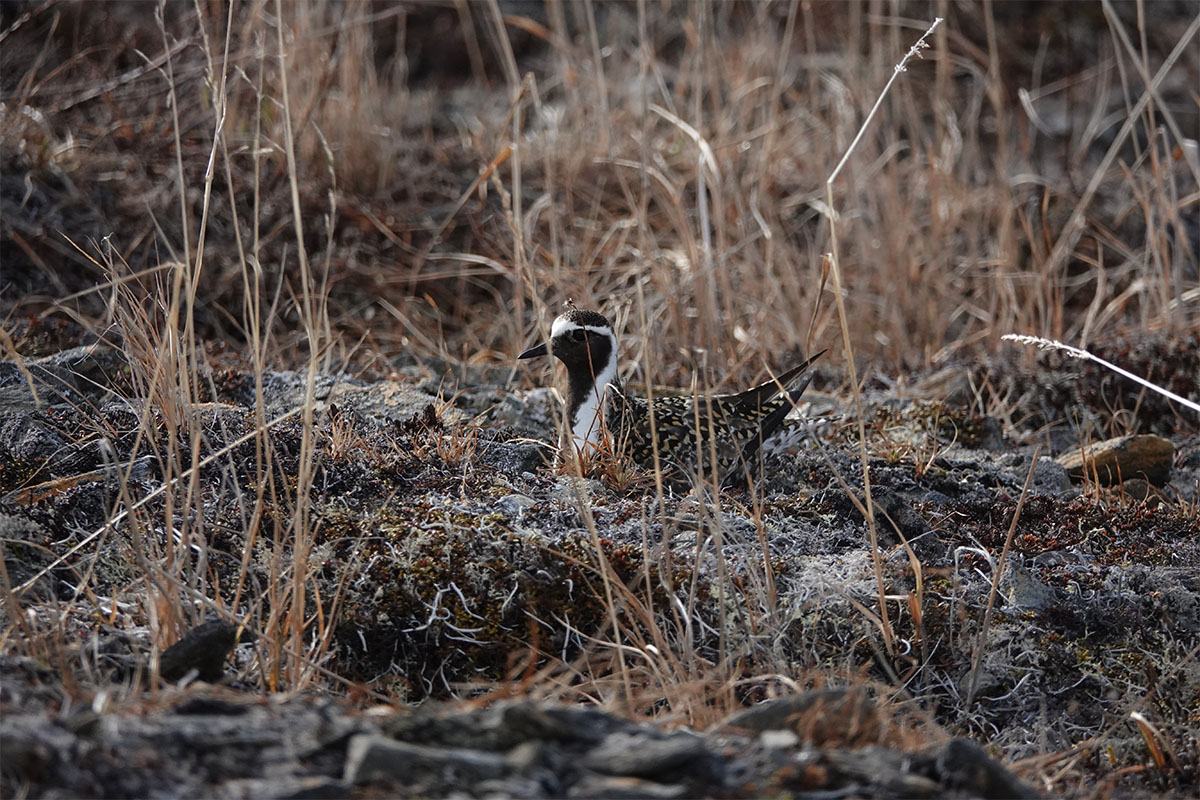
{"x":583,"y":352}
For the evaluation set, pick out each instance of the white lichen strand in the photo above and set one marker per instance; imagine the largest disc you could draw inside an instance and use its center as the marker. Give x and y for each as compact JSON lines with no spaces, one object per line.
{"x":1075,"y":352}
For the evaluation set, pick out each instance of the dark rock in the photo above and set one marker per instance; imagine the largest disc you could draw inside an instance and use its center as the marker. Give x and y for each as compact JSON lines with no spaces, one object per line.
{"x":557,"y":723}
{"x":503,"y":726}
{"x":962,"y":765}
{"x":26,"y":554}
{"x":550,"y":766}
{"x":1050,"y":477}
{"x":888,"y":772}
{"x":894,"y":512}
{"x":515,"y":458}
{"x":210,"y":705}
{"x":31,"y":749}
{"x":330,"y":731}
{"x":93,"y":367}
{"x":21,"y":392}
{"x":204,"y":649}
{"x":78,"y":376}
{"x":1138,"y":489}
{"x":25,"y":437}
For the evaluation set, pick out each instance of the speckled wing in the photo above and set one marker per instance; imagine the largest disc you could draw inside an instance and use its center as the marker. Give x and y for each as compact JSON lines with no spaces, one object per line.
{"x":628,"y":421}
{"x":735,"y":426}
{"x":772,"y":408}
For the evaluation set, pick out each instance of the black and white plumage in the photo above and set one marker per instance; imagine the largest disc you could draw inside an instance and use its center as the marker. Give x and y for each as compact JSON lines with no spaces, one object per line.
{"x":688,"y":431}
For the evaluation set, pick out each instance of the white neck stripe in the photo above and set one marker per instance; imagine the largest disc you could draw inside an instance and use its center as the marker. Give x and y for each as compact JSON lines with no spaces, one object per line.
{"x":588,"y":419}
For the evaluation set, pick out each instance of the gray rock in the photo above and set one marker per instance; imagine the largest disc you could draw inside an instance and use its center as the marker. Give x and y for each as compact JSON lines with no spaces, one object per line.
{"x":91,"y":365}
{"x":557,"y":723}
{"x":25,"y":553}
{"x":32,"y":749}
{"x":28,"y":438}
{"x":515,"y":458}
{"x":372,"y":757}
{"x":331,"y":728}
{"x":570,"y":490}
{"x":391,"y":401}
{"x":644,"y":754}
{"x":531,"y":412}
{"x":1023,"y":591}
{"x":1050,"y":477}
{"x":79,"y":376}
{"x":284,"y":391}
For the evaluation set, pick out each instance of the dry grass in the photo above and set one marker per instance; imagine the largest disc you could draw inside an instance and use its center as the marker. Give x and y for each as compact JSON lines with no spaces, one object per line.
{"x":300,"y":190}
{"x":690,"y":168}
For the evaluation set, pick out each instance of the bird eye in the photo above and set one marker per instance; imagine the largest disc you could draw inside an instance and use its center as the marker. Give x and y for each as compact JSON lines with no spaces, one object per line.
{"x":579,"y":335}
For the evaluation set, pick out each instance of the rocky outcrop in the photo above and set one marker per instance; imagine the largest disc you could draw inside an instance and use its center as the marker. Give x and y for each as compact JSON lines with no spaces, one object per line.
{"x":211,"y":743}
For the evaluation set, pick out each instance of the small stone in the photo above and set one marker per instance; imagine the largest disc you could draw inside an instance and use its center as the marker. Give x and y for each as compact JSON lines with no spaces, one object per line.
{"x":514,"y":505}
{"x":525,"y":757}
{"x":779,"y":739}
{"x":1023,"y":591}
{"x":515,"y":458}
{"x":570,"y":490}
{"x":1115,"y":460}
{"x":1050,"y":477}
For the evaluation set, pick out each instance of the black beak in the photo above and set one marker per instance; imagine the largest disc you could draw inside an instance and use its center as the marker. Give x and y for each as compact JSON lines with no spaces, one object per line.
{"x":534,"y":352}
